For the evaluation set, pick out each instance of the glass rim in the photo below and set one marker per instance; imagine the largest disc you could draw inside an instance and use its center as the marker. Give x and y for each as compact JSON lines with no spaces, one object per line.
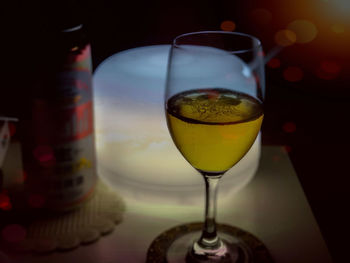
{"x":256,"y":41}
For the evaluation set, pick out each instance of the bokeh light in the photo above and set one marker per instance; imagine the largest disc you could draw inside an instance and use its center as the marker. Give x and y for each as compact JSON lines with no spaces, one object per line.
{"x":330,"y":66}
{"x":285,"y":37}
{"x":274,"y":63}
{"x":328,"y":70}
{"x":338,"y":28}
{"x":74,"y":48}
{"x":44,"y":153}
{"x":13,"y":233}
{"x":5,"y":202}
{"x":289,"y":127}
{"x":304,"y":33}
{"x":293,"y":74}
{"x":304,"y":30}
{"x":228,"y":25}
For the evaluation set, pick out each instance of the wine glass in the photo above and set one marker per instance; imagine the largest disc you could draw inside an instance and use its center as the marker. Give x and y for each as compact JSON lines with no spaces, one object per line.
{"x":213,"y":104}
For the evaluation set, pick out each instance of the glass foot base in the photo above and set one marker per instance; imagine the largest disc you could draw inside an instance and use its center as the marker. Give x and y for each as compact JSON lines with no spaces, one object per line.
{"x":173,"y":246}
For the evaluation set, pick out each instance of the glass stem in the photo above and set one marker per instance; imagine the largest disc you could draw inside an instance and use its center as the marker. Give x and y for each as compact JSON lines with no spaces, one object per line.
{"x":209,"y":247}
{"x":209,"y":238}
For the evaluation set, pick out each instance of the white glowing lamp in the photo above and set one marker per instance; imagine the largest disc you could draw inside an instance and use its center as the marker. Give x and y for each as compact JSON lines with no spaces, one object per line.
{"x":134,"y":148}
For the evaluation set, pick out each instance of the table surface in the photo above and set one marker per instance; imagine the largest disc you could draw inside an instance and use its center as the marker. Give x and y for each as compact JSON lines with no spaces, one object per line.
{"x":272,"y":206}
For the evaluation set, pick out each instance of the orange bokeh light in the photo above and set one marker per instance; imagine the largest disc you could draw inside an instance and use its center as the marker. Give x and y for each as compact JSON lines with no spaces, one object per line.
{"x":320,"y":28}
{"x":304,"y":30}
{"x":228,"y":25}
{"x":285,"y":37}
{"x":338,"y":28}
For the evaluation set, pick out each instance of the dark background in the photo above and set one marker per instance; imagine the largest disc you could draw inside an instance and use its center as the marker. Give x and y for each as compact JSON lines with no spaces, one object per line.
{"x":317,"y":107}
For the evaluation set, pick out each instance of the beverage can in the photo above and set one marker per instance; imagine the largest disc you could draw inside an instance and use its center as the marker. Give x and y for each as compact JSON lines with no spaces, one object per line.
{"x":58,"y":145}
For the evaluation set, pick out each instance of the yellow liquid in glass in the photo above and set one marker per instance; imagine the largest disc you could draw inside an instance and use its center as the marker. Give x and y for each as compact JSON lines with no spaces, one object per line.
{"x":213,"y":128}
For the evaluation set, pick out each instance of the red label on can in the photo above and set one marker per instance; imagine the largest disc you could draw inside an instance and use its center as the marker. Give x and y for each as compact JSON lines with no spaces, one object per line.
{"x":76,"y":122}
